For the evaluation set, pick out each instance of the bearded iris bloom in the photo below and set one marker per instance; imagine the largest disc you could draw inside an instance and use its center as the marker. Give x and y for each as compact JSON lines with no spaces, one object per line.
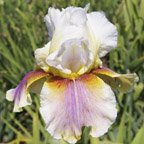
{"x":75,"y":88}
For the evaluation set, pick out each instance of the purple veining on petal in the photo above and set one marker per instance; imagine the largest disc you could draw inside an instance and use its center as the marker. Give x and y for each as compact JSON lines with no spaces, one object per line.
{"x":68,"y":105}
{"x":30,"y":77}
{"x":21,"y":87}
{"x":77,"y":103}
{"x":71,"y":103}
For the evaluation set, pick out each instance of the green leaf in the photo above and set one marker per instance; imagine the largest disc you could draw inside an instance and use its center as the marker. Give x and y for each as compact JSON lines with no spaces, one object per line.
{"x":94,"y":140}
{"x":122,"y":128}
{"x":137,"y":63}
{"x":138,"y":89}
{"x":36,"y":132}
{"x":139,"y":138}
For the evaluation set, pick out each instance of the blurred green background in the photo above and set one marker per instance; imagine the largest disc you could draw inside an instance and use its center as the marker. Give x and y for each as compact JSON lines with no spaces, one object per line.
{"x":22,"y":30}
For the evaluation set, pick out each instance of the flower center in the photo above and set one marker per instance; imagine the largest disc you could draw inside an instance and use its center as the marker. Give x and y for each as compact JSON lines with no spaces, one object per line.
{"x":72,"y":59}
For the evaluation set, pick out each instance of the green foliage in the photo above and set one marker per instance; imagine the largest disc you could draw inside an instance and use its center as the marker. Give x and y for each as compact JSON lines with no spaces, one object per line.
{"x":22,"y":30}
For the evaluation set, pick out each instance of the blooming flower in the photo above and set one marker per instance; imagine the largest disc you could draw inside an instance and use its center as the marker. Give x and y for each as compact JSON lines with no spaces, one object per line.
{"x":75,"y":88}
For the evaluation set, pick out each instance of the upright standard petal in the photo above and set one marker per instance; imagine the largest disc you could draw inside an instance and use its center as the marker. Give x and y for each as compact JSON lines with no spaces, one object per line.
{"x":122,"y":82}
{"x":64,"y":25}
{"x":56,"y":19}
{"x":20,"y":95}
{"x":68,"y":105}
{"x":52,"y":19}
{"x":104,"y":32}
{"x":40,"y":55}
{"x":75,"y":16}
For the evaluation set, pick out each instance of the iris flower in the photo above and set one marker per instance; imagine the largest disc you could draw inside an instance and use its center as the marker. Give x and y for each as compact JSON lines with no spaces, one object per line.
{"x":75,"y":88}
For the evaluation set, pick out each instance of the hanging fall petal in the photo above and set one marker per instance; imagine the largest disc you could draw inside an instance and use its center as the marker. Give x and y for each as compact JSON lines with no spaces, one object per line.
{"x":20,"y":95}
{"x":68,"y":105}
{"x":122,"y":82}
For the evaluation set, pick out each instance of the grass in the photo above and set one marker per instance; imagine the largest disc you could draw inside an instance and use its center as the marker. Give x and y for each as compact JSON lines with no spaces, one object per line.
{"x":22,"y":30}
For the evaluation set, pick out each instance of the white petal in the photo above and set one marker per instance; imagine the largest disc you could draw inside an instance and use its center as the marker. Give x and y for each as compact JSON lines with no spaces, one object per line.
{"x":20,"y":97}
{"x":75,"y":15}
{"x":67,"y":106}
{"x":57,"y":20}
{"x":67,"y":24}
{"x":63,"y":34}
{"x":104,"y":31}
{"x":52,"y":19}
{"x":10,"y":95}
{"x":41,"y":55}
